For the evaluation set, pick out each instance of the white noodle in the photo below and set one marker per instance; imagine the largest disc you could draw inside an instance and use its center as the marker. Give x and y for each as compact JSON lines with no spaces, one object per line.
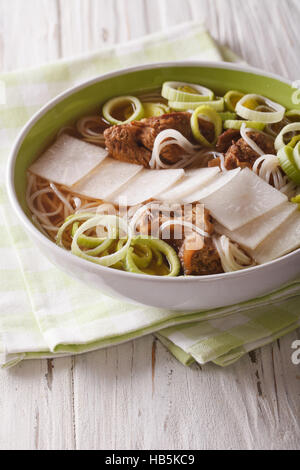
{"x":171,"y":137}
{"x":89,"y":134}
{"x":186,"y":224}
{"x":267,"y":166}
{"x":68,"y":209}
{"x":232,"y":257}
{"x":249,"y":141}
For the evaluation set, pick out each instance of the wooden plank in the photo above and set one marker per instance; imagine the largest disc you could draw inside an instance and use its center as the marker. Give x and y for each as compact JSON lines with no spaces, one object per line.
{"x":87,"y":25}
{"x":29,"y":33}
{"x":36,"y":406}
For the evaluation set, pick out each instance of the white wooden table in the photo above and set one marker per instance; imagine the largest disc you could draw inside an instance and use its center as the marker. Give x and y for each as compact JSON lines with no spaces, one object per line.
{"x":137,"y":395}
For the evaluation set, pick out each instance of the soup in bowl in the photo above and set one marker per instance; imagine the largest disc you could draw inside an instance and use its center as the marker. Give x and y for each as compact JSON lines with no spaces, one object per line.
{"x":171,"y":185}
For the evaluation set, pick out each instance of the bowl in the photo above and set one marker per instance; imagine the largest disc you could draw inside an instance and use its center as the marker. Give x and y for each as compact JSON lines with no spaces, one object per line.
{"x":183,"y":293}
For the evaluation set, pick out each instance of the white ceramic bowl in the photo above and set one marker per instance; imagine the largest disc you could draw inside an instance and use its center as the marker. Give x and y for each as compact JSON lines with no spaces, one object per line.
{"x":182,"y":293}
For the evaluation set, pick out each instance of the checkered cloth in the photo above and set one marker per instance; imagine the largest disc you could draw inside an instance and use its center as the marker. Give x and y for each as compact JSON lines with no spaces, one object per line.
{"x":45,"y":313}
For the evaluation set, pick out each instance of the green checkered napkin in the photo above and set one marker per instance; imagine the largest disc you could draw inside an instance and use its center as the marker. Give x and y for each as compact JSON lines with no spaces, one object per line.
{"x":43,"y":312}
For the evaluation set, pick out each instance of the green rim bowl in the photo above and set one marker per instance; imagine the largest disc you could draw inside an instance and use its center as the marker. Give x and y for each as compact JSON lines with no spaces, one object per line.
{"x":182,"y":293}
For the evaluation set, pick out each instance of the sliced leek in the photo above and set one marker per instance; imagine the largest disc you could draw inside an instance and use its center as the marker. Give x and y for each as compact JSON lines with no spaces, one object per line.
{"x":287,"y":163}
{"x":81,"y":217}
{"x":155,"y":109}
{"x":218,"y":105}
{"x":143,"y":261}
{"x":88,"y":242}
{"x":213,"y":117}
{"x":279,"y":141}
{"x":296,"y":155}
{"x":237,"y":124}
{"x":243,"y":109}
{"x":293,"y":115}
{"x":111,"y":223}
{"x":231,"y":98}
{"x":122,"y":101}
{"x":182,"y":91}
{"x":156,"y":245}
{"x":293,"y":142}
{"x":228,"y":116}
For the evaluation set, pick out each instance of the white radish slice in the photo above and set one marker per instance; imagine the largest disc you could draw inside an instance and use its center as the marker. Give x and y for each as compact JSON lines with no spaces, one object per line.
{"x":146,"y":185}
{"x":68,"y":160}
{"x":194,"y":179}
{"x":245,"y":198}
{"x":282,"y":241}
{"x":106,"y":179}
{"x":213,"y":186}
{"x":254,"y":233}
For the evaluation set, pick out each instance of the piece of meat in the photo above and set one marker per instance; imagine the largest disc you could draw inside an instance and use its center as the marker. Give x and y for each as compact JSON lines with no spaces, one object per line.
{"x":241,"y":155}
{"x":227,"y":139}
{"x":197,"y":254}
{"x":133,"y":142}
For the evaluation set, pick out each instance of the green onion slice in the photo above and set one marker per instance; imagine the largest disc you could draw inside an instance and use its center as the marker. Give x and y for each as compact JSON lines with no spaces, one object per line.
{"x":246,"y":108}
{"x":237,"y":124}
{"x":287,"y":163}
{"x":279,"y":141}
{"x":154,"y":244}
{"x":145,"y":260}
{"x":293,"y":142}
{"x":85,"y":241}
{"x":218,"y":105}
{"x":296,"y":155}
{"x":189,"y":92}
{"x":155,"y":109}
{"x":228,"y":116}
{"x":121,"y":101}
{"x":70,"y":221}
{"x":213,"y":117}
{"x":112,"y":223}
{"x":293,"y":115}
{"x":231,"y":99}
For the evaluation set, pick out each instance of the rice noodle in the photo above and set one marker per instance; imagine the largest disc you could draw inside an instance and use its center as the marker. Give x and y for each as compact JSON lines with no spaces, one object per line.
{"x":248,"y":140}
{"x":85,"y":128}
{"x":171,"y":137}
{"x":50,"y":206}
{"x":68,"y":209}
{"x":183,"y":223}
{"x":77,"y":202}
{"x":268,"y":166}
{"x":232,"y":257}
{"x":289,"y":188}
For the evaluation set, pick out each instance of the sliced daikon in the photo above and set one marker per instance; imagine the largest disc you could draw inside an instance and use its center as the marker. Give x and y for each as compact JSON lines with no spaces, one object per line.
{"x":243,"y":199}
{"x":68,"y":160}
{"x":254,"y":233}
{"x":106,"y":179}
{"x":213,"y":185}
{"x":146,"y":185}
{"x":193,"y":180}
{"x":282,"y":241}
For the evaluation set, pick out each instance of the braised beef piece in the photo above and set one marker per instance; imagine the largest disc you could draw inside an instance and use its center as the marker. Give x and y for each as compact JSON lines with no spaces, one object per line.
{"x":227,"y":139}
{"x":241,"y":155}
{"x":134,"y":142}
{"x":197,"y":254}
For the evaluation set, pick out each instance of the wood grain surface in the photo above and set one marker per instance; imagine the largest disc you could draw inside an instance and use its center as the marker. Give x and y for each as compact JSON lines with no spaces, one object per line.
{"x":136,"y":395}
